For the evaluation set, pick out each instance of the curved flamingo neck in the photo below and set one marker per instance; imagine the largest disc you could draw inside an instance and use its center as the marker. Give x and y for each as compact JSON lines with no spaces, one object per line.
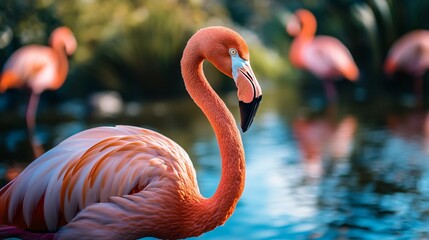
{"x":309,"y":24}
{"x":215,"y":210}
{"x":59,"y":48}
{"x":304,"y":37}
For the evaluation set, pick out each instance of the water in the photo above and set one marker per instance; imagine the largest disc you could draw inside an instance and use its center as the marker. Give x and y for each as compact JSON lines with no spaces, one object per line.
{"x":375,"y":190}
{"x":352,"y":172}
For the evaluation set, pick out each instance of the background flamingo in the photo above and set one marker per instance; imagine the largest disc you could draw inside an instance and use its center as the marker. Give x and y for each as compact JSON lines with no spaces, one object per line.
{"x":39,"y":68}
{"x":127,"y":182}
{"x":410,"y":54}
{"x":325,"y":57}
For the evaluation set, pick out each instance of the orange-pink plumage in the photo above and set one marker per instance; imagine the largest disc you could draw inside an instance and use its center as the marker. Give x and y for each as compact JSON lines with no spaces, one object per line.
{"x":127,"y":182}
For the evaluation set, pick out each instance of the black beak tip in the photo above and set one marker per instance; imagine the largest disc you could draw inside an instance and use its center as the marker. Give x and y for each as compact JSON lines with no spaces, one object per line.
{"x":247,"y":112}
{"x":244,"y":129}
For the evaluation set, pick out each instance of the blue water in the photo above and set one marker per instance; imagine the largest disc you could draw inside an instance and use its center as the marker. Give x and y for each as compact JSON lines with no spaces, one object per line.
{"x":347,"y":174}
{"x":379,"y":190}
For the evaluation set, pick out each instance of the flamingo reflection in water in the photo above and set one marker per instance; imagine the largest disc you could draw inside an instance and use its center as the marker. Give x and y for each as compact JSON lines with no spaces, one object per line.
{"x":127,"y":182}
{"x":321,"y":137}
{"x":410,"y":130}
{"x":39,"y":68}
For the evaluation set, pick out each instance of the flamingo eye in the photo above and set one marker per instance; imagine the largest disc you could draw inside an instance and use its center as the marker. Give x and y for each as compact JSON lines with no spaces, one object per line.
{"x":232,"y":51}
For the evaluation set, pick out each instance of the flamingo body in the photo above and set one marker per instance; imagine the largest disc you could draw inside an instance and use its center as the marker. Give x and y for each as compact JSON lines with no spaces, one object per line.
{"x":33,"y":66}
{"x":327,"y":58}
{"x":127,"y":182}
{"x":409,"y":54}
{"x":97,"y":165}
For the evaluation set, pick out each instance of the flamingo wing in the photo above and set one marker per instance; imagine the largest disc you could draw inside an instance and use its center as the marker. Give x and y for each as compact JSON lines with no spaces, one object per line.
{"x":33,"y":65}
{"x":90,"y":167}
{"x":327,"y":57}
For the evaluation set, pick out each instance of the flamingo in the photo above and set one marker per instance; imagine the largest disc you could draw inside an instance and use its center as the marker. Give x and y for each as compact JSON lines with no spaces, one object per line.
{"x":324,"y":56}
{"x":127,"y":182}
{"x":410,"y":54}
{"x":39,"y":68}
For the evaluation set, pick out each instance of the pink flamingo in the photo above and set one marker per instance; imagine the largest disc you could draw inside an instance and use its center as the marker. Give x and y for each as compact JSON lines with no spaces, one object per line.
{"x":39,"y":68}
{"x":127,"y":182}
{"x":410,"y":54}
{"x":325,"y":57}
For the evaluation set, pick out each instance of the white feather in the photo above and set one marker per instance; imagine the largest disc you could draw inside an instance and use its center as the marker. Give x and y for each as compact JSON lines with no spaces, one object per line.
{"x":150,"y":163}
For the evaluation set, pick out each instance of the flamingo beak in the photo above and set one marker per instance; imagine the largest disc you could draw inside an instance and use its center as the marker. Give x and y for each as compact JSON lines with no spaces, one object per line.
{"x":249,"y":94}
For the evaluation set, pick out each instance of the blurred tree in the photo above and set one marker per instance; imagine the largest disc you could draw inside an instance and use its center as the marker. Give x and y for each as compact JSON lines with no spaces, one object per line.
{"x":135,"y":47}
{"x":135,"y":52}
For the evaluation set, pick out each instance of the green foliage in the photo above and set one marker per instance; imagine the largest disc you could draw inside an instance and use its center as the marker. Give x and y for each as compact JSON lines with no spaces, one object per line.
{"x":139,"y":48}
{"x":22,"y":23}
{"x":269,"y":64}
{"x":135,"y":47}
{"x":140,"y":59}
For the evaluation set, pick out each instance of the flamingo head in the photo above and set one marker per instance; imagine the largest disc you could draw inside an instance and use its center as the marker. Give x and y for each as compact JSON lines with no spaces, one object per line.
{"x":302,"y":23}
{"x":62,"y":37}
{"x":228,"y":51}
{"x":293,"y":25}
